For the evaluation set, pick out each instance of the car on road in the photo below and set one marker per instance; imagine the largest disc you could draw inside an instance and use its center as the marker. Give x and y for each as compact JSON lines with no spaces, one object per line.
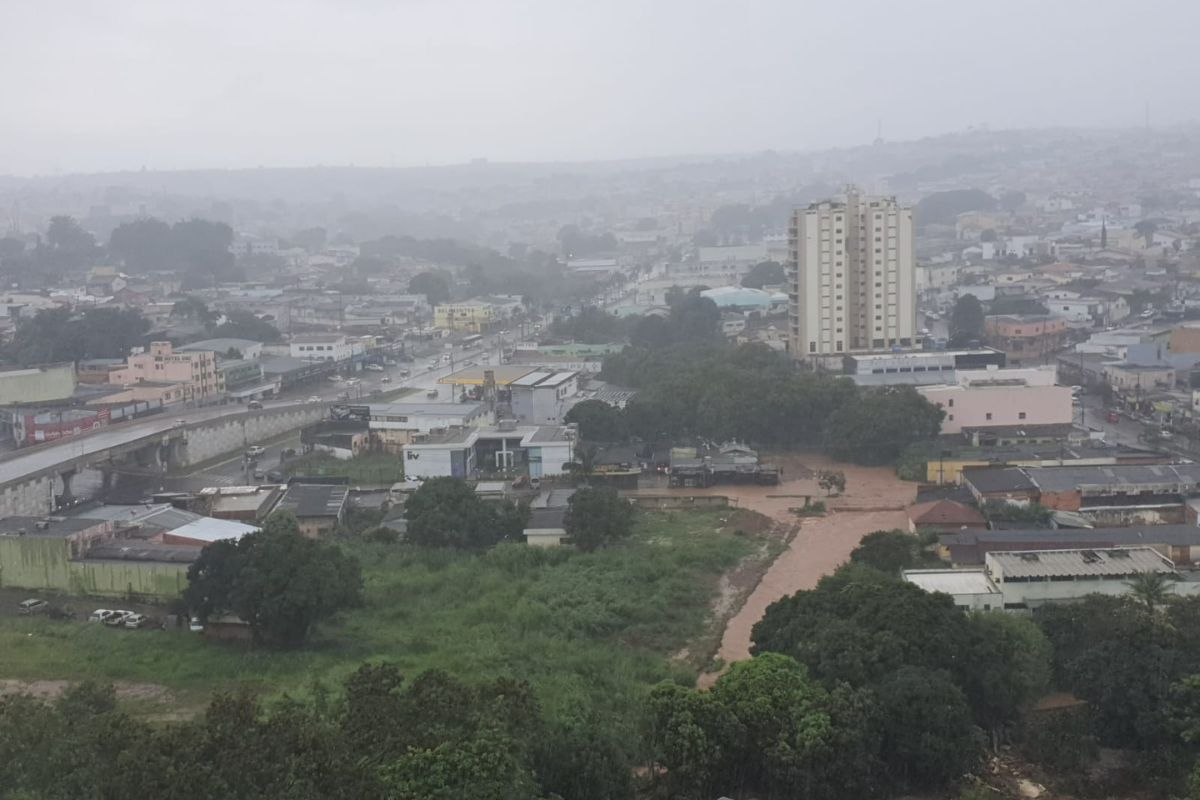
{"x":195,"y":625}
{"x":313,"y":399}
{"x":33,"y":606}
{"x":432,"y":394}
{"x":118,"y":618}
{"x":385,"y":379}
{"x":390,"y":362}
{"x":137,"y":621}
{"x":1112,"y":416}
{"x":405,"y":373}
{"x":259,"y":475}
{"x":254,"y":451}
{"x":254,"y":405}
{"x":276,"y":476}
{"x":180,"y":423}
{"x":373,"y":367}
{"x":334,"y":378}
{"x":102,"y":615}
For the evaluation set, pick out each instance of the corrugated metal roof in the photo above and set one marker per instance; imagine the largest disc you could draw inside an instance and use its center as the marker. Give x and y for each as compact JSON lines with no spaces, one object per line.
{"x":314,"y":500}
{"x":207,"y":529}
{"x":1115,"y":562}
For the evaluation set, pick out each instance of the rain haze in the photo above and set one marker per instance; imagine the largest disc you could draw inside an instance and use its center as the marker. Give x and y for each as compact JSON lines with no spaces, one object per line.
{"x":111,"y":86}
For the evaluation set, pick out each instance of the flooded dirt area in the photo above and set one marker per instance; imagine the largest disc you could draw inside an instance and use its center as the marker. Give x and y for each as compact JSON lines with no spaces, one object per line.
{"x":875,"y":499}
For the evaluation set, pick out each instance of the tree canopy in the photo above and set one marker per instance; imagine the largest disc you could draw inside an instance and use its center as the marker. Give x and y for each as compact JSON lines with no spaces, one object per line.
{"x":766,"y":273}
{"x":62,"y":335}
{"x":198,"y":247}
{"x":276,"y":580}
{"x":597,"y":517}
{"x":433,"y":285}
{"x":446,"y":512}
{"x":382,"y":738}
{"x":966,"y":320}
{"x":941,"y":208}
{"x":598,"y":421}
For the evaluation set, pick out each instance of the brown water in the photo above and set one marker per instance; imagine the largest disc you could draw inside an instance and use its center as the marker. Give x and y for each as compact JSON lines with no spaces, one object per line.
{"x":875,"y":499}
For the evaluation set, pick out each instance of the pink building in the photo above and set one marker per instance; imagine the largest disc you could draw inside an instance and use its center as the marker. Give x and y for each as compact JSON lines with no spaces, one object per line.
{"x":196,"y":372}
{"x":990,"y":398}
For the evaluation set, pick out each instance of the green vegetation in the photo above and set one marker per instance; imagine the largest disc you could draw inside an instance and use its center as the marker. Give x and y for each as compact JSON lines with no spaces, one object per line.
{"x":598,"y":421}
{"x":59,"y":334}
{"x":368,"y":468}
{"x":767,"y":273}
{"x":966,"y":321}
{"x":446,"y":512}
{"x":890,"y":551}
{"x":598,"y":517}
{"x":278,"y":581}
{"x":385,"y":738}
{"x":198,"y":247}
{"x":591,"y":632}
{"x":701,"y":388}
{"x":592,"y":325}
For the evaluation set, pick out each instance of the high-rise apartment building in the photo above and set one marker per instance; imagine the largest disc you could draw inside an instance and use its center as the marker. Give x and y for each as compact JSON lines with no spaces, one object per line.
{"x":852,"y":277}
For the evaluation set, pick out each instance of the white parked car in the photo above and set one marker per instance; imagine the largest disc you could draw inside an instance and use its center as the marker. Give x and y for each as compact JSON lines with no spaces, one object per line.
{"x":102,"y":615}
{"x":254,"y":451}
{"x":374,"y":367}
{"x":137,"y":621}
{"x":118,"y":618}
{"x":313,"y":399}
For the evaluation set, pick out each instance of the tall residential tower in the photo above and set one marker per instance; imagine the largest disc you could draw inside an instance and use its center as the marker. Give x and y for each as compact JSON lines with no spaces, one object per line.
{"x":852,"y":277}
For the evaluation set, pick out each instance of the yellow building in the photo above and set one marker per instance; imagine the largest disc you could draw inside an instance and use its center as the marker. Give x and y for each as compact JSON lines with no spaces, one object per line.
{"x":470,"y":316}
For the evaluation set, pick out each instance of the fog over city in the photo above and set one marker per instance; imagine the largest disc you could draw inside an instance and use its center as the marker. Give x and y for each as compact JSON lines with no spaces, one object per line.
{"x":101,"y":86}
{"x":550,"y":400}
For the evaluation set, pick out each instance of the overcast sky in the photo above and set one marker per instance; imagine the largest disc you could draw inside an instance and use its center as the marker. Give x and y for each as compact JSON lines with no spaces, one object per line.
{"x":122,"y":84}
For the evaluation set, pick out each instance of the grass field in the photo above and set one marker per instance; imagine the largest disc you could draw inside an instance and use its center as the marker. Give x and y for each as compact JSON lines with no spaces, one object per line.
{"x":372,"y":468}
{"x":589,"y":631}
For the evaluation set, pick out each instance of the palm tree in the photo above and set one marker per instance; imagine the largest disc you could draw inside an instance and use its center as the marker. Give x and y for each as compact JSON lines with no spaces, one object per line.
{"x":1152,"y":588}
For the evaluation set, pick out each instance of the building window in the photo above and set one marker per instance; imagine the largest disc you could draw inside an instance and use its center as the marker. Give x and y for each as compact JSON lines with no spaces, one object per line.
{"x":989,"y":416}
{"x":812,"y":347}
{"x":1021,"y":415}
{"x":951,"y":402}
{"x":951,"y":418}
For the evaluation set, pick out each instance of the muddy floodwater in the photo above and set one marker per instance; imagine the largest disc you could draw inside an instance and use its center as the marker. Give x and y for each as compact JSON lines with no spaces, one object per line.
{"x":875,"y":499}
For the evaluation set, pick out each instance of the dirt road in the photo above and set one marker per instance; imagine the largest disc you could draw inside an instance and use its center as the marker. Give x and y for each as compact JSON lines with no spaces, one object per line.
{"x":874,"y":500}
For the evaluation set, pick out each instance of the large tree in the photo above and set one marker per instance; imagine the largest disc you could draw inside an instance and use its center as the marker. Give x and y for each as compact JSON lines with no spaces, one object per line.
{"x":280,"y":582}
{"x":446,"y":512}
{"x":144,"y":244}
{"x":60,"y":335}
{"x":241,"y":324}
{"x":929,"y":738}
{"x":433,"y":285}
{"x":889,"y":551}
{"x":884,"y":421}
{"x":765,"y":729}
{"x":766,"y":273}
{"x":966,"y":320}
{"x":597,"y":517}
{"x":598,"y":421}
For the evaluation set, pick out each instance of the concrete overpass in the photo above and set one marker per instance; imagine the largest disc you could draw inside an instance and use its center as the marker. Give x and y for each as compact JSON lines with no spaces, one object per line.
{"x":35,"y":482}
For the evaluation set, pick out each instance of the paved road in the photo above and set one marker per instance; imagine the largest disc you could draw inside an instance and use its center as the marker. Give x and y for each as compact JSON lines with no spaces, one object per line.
{"x":21,"y":463}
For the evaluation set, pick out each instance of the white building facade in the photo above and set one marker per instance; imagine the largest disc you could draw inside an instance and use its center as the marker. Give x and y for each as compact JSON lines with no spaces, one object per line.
{"x":852,"y":276}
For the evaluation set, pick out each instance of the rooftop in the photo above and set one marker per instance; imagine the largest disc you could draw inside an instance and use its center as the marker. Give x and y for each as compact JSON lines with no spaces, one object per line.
{"x":314,"y":499}
{"x":1118,"y":562}
{"x":951,"y":581}
{"x":131,"y":550}
{"x":474,"y":376}
{"x":55,"y":526}
{"x":221,"y":345}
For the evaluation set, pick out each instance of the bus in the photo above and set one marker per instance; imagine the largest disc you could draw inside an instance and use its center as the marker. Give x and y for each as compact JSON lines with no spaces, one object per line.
{"x":470,"y":341}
